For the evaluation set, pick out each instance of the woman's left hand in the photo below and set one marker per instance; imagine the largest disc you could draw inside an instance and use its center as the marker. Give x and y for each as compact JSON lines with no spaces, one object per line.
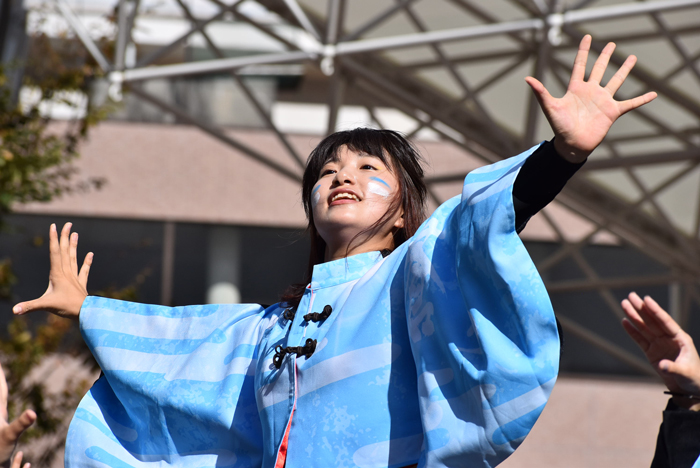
{"x":583,"y":116}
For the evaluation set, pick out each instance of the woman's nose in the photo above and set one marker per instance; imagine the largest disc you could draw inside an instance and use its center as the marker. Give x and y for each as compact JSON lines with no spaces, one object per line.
{"x":345,"y":176}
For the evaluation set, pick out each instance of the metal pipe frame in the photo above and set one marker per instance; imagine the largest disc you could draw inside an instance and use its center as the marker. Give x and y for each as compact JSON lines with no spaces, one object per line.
{"x":334,"y":23}
{"x":212,"y":66}
{"x":301,"y":18}
{"x":82,"y":34}
{"x":198,"y":26}
{"x":458,"y":177}
{"x":336,"y":10}
{"x":626,"y":283}
{"x":640,"y":113}
{"x":216,"y":133}
{"x":473,"y":32}
{"x":680,"y":240}
{"x":377,"y":20}
{"x":590,"y":273}
{"x":643,"y":75}
{"x":507,"y":53}
{"x":257,"y":105}
{"x":604,"y":345}
{"x":643,"y":160}
{"x":468,"y":95}
{"x":126,"y":13}
{"x":361,"y":67}
{"x":408,"y":40}
{"x":433,"y":37}
{"x":625,"y":10}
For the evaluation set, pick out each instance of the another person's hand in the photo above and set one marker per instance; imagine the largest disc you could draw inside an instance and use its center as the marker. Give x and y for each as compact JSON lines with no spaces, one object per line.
{"x":67,"y":285}
{"x":17,"y":461}
{"x":10,"y":432}
{"x":583,"y":116}
{"x":669,"y":349}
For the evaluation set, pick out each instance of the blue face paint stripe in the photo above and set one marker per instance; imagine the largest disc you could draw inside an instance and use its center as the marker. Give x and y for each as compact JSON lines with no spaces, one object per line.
{"x":313,"y":192}
{"x":380,"y":181}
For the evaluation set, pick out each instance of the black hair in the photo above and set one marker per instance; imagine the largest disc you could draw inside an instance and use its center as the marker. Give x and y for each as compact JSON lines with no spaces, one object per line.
{"x":402,"y":159}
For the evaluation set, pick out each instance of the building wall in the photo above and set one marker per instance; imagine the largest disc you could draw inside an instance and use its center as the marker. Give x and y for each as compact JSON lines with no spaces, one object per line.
{"x":592,"y":422}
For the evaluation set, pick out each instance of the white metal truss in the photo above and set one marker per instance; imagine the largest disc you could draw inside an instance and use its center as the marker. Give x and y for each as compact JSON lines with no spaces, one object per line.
{"x":446,"y":83}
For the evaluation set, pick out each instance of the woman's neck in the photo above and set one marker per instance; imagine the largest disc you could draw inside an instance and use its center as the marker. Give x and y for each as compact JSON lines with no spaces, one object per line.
{"x":342,"y":250}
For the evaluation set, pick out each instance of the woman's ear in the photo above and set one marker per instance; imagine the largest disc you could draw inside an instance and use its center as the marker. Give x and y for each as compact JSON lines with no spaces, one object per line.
{"x":399,"y":223}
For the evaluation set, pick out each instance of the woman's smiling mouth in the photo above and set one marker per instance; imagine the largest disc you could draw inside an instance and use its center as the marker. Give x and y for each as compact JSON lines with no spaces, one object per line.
{"x":343,"y":197}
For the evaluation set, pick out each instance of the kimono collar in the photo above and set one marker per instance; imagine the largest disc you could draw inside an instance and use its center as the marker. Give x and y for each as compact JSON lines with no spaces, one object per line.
{"x":343,"y":270}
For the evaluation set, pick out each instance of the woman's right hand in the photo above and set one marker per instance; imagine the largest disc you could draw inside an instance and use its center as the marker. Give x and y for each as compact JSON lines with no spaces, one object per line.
{"x":67,"y":285}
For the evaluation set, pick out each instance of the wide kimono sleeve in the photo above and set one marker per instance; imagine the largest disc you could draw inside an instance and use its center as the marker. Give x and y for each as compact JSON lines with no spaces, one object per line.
{"x":481,"y":326}
{"x":176,"y":389}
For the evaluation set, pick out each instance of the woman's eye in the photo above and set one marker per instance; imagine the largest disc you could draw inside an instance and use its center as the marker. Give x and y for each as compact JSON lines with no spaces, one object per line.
{"x":368,"y":166}
{"x":327,"y":171}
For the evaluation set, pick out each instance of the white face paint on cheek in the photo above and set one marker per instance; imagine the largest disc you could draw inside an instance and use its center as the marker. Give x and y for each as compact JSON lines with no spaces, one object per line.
{"x":316,"y":195}
{"x":377,"y":189}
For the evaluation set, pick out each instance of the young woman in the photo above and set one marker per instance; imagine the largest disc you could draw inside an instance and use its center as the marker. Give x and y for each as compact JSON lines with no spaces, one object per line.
{"x":432,"y":344}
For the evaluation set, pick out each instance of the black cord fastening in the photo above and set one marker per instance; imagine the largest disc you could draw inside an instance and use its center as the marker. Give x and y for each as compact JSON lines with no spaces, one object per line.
{"x":683,"y":395}
{"x":289,"y":314}
{"x":316,"y":317}
{"x":307,"y":350}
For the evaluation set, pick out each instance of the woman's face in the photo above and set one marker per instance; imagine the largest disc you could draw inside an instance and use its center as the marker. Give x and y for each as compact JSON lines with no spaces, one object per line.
{"x":351,"y":195}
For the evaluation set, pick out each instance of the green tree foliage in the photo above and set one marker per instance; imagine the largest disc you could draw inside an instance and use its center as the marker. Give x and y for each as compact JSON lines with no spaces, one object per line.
{"x":36,"y":156}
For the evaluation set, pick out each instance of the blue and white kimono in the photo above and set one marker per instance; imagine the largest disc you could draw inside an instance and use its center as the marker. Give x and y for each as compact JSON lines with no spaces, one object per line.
{"x":444,"y":353}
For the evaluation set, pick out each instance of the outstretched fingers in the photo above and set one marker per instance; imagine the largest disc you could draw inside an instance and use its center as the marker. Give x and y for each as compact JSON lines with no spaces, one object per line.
{"x":671,"y":367}
{"x":17,"y":461}
{"x":15,"y":429}
{"x":601,"y":64}
{"x":579,"y":71}
{"x":649,"y":318}
{"x":73,"y":252}
{"x":30,"y":306}
{"x":66,"y":291}
{"x":540,"y":91}
{"x":631,"y":307}
{"x":634,"y":320}
{"x":10,"y":433}
{"x":64,"y":246}
{"x":663,"y":321}
{"x":54,"y":249}
{"x":639,"y":101}
{"x":621,"y":75}
{"x":3,"y":394}
{"x":632,"y":331}
{"x":85,"y":270}
{"x":19,"y":425}
{"x":619,"y":78}
{"x":651,"y":324}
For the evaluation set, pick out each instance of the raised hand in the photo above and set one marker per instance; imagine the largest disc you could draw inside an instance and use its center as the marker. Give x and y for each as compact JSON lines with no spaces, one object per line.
{"x":668,"y":348}
{"x":10,"y":432}
{"x":583,"y":116}
{"x":67,"y":285}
